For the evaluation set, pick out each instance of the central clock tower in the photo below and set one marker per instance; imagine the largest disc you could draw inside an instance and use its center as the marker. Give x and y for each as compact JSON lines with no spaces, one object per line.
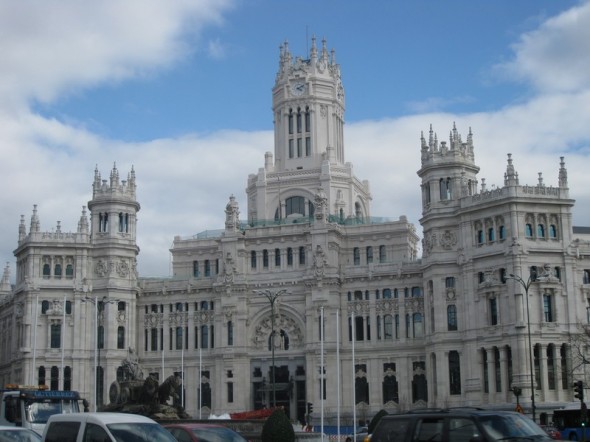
{"x":308,"y":108}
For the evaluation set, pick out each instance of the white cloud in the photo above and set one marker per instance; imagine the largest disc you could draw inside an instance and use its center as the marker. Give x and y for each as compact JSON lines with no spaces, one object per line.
{"x":55,"y":48}
{"x":554,"y":57}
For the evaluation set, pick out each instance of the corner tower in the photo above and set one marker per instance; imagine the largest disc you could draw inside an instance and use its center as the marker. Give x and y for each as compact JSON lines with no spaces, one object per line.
{"x":308,"y":109}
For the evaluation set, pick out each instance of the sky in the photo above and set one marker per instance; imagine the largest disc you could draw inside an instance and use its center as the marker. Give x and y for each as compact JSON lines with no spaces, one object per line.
{"x":180,"y":90}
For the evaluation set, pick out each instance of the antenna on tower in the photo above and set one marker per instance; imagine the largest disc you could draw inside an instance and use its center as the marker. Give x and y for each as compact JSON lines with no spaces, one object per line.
{"x":306,"y":41}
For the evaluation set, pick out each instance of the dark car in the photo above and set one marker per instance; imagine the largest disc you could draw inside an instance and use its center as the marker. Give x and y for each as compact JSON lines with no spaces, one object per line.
{"x":458,"y":425}
{"x":552,"y":431}
{"x":203,"y":433}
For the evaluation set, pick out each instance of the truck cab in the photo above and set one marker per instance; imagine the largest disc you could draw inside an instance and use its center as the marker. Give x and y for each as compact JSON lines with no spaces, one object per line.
{"x":31,"y":407}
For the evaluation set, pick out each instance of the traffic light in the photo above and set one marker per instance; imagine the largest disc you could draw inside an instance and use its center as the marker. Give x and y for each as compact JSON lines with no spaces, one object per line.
{"x":309,"y":408}
{"x":579,"y":390}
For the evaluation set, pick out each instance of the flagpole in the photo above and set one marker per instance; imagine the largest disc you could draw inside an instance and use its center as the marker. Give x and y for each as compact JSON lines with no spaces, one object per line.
{"x":35,"y":341}
{"x":63,"y":343}
{"x":322,"y":380}
{"x":338,"y":372}
{"x":200,"y":383}
{"x":353,"y":383}
{"x":182,"y":371}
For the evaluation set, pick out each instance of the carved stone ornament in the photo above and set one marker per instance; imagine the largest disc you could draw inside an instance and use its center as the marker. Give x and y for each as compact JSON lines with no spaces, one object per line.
{"x":101,"y":268}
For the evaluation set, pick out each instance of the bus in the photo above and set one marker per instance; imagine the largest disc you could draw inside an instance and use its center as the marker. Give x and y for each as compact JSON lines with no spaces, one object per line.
{"x":572,"y":423}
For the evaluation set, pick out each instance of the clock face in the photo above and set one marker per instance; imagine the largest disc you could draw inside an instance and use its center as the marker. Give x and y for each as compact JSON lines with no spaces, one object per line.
{"x":297,"y":88}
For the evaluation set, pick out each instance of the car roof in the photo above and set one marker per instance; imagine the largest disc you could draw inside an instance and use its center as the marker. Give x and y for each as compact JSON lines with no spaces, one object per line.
{"x":451,"y":411}
{"x":11,"y":428}
{"x":105,"y":418}
{"x":190,"y":425}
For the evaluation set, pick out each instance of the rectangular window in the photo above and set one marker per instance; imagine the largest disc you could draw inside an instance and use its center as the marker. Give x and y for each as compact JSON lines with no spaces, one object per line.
{"x":369,"y":254}
{"x":382,"y":254}
{"x":450,"y":282}
{"x":196,"y":269}
{"x":301,"y":255}
{"x":207,"y":268}
{"x":548,"y":307}
{"x":277,"y":257}
{"x":55,"y":335}
{"x":307,"y":146}
{"x":289,"y":256}
{"x":356,"y":256}
{"x":230,"y":392}
{"x":154,"y":339}
{"x":307,"y":121}
{"x":291,"y":148}
{"x":299,"y":148}
{"x":493,"y":311}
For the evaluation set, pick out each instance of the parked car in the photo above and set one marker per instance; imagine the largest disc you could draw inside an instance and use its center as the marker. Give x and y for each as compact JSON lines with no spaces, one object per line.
{"x":458,"y":425}
{"x":361,"y":434}
{"x":104,"y":427}
{"x":18,"y":434}
{"x":552,"y":431}
{"x":203,"y":433}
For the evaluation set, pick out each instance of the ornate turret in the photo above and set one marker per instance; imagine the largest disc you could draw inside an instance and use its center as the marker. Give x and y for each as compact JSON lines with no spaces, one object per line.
{"x":308,"y":107}
{"x":448,"y":172}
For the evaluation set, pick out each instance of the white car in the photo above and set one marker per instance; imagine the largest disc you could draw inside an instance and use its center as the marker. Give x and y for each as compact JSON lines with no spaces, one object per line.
{"x":18,"y":434}
{"x":102,"y":427}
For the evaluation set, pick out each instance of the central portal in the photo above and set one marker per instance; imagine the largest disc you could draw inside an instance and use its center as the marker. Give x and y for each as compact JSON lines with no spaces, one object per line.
{"x":288,"y":390}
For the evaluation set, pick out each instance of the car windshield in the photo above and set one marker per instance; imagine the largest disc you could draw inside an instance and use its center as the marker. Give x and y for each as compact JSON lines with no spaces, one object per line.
{"x":39,"y":412}
{"x":140,"y":432}
{"x":512,"y":426}
{"x":19,"y":435}
{"x":218,"y":434}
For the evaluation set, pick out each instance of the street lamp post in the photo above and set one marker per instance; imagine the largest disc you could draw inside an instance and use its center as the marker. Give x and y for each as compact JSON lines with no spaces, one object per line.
{"x":526,"y":285}
{"x":272,"y":297}
{"x":97,"y":304}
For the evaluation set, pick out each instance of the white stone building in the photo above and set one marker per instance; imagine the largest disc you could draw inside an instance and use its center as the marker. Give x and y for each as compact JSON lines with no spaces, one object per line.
{"x":448,"y":328}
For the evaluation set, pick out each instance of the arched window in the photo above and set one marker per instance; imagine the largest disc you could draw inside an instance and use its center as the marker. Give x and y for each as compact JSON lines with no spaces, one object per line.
{"x":541,"y":231}
{"x":253,"y":259}
{"x":386,"y":293}
{"x":502,"y":232}
{"x":552,"y":231}
{"x":491,"y":234}
{"x":69,"y":271}
{"x":277,"y":257}
{"x":44,"y":307}
{"x":265,"y":258}
{"x":295,"y":204}
{"x":528,"y":230}
{"x":290,"y":121}
{"x":46,"y":271}
{"x":57,"y":271}
{"x":289,"y":256}
{"x":452,"y":317}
